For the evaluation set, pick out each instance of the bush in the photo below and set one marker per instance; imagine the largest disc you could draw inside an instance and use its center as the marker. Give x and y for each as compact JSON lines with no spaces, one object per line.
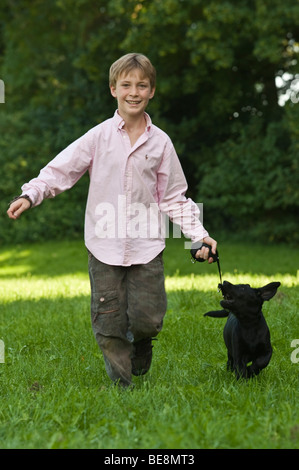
{"x":250,"y":183}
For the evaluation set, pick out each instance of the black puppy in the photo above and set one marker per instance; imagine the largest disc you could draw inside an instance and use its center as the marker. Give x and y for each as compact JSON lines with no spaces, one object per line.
{"x":246,"y":333}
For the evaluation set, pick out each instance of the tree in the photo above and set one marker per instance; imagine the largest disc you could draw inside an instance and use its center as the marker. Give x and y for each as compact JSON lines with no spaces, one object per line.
{"x":217,"y":64}
{"x":219,"y":101}
{"x":55,"y":67}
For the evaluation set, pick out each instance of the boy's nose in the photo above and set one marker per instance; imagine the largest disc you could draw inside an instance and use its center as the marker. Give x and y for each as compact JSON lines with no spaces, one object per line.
{"x":134,"y":92}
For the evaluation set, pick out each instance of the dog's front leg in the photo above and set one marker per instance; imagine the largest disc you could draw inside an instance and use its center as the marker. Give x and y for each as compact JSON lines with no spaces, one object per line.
{"x":230,"y":362}
{"x":241,"y":370}
{"x":236,"y":359}
{"x":259,"y":363}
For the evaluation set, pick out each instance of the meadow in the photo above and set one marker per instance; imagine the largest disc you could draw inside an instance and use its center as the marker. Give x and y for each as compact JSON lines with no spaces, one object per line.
{"x":54,"y":390}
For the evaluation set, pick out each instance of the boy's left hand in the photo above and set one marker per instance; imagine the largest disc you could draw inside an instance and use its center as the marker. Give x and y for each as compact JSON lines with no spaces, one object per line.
{"x":204,"y":252}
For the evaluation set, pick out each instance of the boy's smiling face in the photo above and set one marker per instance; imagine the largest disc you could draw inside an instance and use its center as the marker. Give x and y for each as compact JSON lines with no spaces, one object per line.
{"x":133,"y":92}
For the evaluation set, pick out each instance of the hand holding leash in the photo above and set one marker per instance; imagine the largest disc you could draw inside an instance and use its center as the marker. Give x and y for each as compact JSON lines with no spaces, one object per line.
{"x":215,"y":257}
{"x":193,"y":252}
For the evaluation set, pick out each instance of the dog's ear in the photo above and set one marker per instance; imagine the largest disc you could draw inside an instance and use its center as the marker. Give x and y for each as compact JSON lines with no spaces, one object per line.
{"x":268,"y":291}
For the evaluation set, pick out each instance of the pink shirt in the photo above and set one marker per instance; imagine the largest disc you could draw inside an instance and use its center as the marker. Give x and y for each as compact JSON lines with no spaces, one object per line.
{"x":130,"y":190}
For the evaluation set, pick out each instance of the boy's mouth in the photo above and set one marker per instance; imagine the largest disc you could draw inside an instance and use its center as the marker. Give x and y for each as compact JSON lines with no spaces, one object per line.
{"x":133,"y":102}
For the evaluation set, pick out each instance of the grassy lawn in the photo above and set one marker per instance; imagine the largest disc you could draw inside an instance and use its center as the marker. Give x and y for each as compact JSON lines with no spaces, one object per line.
{"x":54,"y":389}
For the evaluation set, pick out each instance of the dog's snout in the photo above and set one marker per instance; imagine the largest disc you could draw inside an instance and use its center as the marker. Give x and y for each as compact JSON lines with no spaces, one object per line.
{"x":223,"y":287}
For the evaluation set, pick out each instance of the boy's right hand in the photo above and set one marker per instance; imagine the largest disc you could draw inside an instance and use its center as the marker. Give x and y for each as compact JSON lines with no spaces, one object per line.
{"x":17,"y":207}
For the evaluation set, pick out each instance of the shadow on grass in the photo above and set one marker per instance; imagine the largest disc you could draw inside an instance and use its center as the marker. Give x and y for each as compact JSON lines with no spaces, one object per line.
{"x":44,"y":259}
{"x":235,"y":258}
{"x":60,"y":258}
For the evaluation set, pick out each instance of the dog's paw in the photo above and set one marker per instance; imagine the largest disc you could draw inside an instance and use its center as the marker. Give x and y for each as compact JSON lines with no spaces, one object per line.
{"x":217,"y":314}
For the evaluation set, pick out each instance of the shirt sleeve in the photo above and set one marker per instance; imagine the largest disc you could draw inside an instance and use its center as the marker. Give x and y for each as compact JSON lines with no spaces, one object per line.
{"x":63,"y":171}
{"x":172,"y":187}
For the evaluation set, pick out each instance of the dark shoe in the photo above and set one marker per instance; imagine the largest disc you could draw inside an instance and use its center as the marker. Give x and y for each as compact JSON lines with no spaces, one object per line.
{"x":142,"y":358}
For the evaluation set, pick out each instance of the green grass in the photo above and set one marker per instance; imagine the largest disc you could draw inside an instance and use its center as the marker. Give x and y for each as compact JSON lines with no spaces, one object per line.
{"x":53,"y":387}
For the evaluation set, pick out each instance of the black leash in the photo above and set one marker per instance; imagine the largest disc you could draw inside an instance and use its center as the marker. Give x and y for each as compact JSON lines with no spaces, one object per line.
{"x":219,"y":269}
{"x":215,"y":257}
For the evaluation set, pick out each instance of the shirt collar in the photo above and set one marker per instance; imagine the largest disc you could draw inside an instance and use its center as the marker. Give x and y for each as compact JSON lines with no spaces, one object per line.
{"x":119,"y":121}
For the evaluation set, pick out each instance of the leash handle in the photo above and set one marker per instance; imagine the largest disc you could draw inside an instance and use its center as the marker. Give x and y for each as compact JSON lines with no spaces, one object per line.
{"x":215,"y":257}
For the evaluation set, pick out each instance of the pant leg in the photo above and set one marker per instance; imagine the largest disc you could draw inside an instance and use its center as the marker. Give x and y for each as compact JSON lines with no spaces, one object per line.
{"x":109,"y":318}
{"x":147,"y":301}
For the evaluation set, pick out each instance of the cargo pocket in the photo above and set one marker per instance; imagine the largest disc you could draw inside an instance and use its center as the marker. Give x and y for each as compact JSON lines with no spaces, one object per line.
{"x":105,"y":311}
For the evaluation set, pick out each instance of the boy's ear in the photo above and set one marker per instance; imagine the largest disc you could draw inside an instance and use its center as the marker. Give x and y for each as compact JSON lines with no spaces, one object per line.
{"x":152,"y":93}
{"x":113,"y":91}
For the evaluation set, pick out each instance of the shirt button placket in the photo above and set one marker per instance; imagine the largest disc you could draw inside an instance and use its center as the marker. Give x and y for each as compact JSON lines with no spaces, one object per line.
{"x":128,"y":194}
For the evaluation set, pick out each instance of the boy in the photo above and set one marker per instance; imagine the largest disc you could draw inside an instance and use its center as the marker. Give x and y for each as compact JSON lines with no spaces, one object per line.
{"x":133,"y":169}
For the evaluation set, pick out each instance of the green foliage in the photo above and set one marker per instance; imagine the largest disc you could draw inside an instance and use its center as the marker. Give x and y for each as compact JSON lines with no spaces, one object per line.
{"x":251,"y":184}
{"x":216,"y":95}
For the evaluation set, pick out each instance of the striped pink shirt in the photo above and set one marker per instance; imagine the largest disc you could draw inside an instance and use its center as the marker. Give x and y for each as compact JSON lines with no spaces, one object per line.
{"x":132,"y":192}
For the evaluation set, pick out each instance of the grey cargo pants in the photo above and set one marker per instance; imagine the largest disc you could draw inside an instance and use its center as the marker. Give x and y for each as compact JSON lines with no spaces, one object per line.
{"x":128,"y":304}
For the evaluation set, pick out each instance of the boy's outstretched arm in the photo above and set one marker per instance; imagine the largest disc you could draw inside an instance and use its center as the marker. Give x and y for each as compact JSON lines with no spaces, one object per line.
{"x":17,"y":207}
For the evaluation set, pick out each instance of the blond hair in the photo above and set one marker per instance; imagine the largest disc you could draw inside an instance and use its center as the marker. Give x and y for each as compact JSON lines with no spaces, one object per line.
{"x":129,"y":62}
